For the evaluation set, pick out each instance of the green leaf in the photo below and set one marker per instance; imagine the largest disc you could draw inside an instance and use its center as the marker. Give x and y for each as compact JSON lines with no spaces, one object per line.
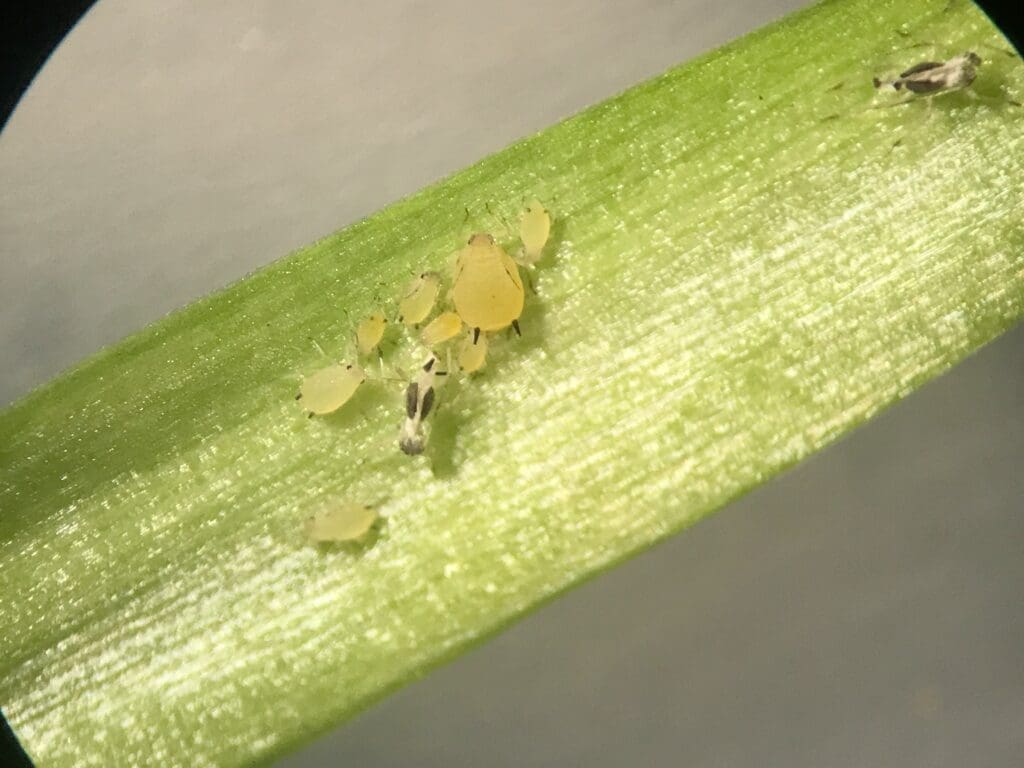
{"x":747,"y":263}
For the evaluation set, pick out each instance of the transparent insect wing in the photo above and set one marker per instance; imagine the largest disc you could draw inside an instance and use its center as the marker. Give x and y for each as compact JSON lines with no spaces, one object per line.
{"x":487,"y":291}
{"x":473,"y":352}
{"x":419,"y":298}
{"x":534,"y":229}
{"x":327,"y":390}
{"x":345,"y":523}
{"x":370,"y":332}
{"x":443,"y":327}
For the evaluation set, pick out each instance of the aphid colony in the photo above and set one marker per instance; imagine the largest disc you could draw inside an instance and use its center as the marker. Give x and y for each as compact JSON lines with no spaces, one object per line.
{"x":486,"y":297}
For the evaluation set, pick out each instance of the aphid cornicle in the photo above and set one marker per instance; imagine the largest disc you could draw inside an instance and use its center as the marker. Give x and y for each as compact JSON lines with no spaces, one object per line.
{"x":443,"y":327}
{"x":347,"y":522}
{"x":419,"y":401}
{"x":534,"y":230}
{"x":327,"y":390}
{"x":487,"y":290}
{"x":419,"y":298}
{"x":370,"y":332}
{"x":936,"y":76}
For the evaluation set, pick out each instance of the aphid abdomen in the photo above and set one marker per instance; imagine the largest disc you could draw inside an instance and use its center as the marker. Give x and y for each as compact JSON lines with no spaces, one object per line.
{"x":370,"y":332}
{"x":443,"y":327}
{"x":488,"y":293}
{"x":473,"y":352}
{"x":419,"y":298}
{"x":329,"y":389}
{"x":534,"y":229}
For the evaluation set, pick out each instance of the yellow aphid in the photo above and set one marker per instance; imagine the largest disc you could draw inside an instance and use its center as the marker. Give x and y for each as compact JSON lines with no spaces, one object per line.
{"x":370,"y":332}
{"x":473,"y":351}
{"x":441,"y":328}
{"x":534,"y":229}
{"x":327,"y":390}
{"x":419,"y":298}
{"x":345,"y":523}
{"x":487,"y":290}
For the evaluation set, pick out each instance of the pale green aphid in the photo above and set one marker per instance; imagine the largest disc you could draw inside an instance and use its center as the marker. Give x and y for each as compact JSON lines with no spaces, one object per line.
{"x":443,"y":327}
{"x":534,"y":230}
{"x":348,"y":522}
{"x":473,"y":351}
{"x":419,"y":298}
{"x":327,"y":390}
{"x":487,"y":290}
{"x":370,"y":332}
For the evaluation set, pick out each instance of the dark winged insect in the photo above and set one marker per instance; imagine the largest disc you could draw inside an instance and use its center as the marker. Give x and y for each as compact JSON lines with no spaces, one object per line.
{"x":419,"y":399}
{"x":936,"y":76}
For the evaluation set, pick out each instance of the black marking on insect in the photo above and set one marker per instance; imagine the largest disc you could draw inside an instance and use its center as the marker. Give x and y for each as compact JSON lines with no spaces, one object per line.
{"x":428,"y":403}
{"x":936,"y":76}
{"x":476,"y":335}
{"x":515,"y":324}
{"x":412,"y":398}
